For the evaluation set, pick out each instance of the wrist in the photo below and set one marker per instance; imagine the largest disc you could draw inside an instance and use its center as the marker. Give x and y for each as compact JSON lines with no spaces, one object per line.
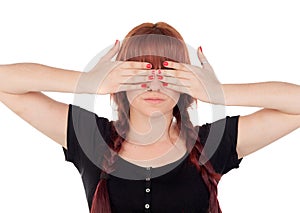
{"x":213,"y":95}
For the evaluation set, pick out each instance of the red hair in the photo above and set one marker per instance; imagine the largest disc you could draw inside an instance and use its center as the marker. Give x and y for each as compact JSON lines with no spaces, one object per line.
{"x":146,"y":43}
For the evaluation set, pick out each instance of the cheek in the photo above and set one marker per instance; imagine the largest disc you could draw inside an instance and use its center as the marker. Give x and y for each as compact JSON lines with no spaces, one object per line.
{"x":132,"y":95}
{"x":172,"y":94}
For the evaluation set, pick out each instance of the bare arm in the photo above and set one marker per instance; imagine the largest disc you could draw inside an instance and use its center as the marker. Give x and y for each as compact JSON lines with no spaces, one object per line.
{"x":280,"y":102}
{"x":43,"y":113}
{"x":20,"y":90}
{"x":105,"y":77}
{"x":21,"y":87}
{"x":281,"y":96}
{"x":262,"y":128}
{"x":29,"y":77}
{"x":280,"y":114}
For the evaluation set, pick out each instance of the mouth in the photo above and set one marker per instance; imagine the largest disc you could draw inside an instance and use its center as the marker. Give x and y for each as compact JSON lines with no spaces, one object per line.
{"x":154,"y":100}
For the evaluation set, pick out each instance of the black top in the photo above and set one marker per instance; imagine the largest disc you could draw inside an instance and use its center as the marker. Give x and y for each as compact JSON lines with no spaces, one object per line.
{"x":175,"y":187}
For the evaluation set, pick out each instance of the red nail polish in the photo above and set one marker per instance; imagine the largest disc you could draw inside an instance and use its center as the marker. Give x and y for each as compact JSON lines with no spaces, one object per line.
{"x":153,"y":72}
{"x":149,"y":66}
{"x":116,"y":42}
{"x":144,"y":85}
{"x":165,"y":63}
{"x":159,"y":77}
{"x":165,"y":84}
{"x":200,"y":48}
{"x":159,"y":71}
{"x":151,"y":77}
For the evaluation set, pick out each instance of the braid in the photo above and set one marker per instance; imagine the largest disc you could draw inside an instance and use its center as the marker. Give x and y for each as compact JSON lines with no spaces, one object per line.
{"x":101,"y":202}
{"x":210,"y":177}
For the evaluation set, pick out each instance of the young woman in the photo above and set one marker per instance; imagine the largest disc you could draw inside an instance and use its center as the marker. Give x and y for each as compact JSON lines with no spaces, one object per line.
{"x":152,"y":158}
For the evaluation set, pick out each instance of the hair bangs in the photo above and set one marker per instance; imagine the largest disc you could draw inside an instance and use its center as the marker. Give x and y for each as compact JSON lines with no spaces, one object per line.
{"x":153,"y":48}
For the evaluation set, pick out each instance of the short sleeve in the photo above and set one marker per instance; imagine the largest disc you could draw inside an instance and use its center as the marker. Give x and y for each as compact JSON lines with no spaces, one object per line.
{"x":86,"y":137}
{"x":220,"y":140}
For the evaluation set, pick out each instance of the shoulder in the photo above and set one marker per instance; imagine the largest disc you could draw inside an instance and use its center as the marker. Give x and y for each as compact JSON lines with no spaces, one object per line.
{"x":88,"y":135}
{"x":218,"y":129}
{"x":86,"y":119}
{"x":219,"y":141}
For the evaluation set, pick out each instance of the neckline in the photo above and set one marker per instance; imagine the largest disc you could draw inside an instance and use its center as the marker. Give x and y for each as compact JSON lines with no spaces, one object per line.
{"x":179,"y":144}
{"x":178,"y":161}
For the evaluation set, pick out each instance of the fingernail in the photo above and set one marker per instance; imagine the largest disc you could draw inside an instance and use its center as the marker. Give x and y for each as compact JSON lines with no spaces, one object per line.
{"x":153,"y":72}
{"x":149,"y":66}
{"x":200,"y":48}
{"x":144,"y":85}
{"x":159,"y":71}
{"x":159,"y":77}
{"x":151,"y":77}
{"x":165,"y":84}
{"x":165,"y":63}
{"x":116,"y":41}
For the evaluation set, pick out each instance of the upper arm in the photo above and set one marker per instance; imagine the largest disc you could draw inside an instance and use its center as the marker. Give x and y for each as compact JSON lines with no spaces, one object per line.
{"x":263,"y":127}
{"x":43,"y":113}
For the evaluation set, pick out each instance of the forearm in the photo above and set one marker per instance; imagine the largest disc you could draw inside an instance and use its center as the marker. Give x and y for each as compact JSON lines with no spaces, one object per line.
{"x":281,"y":96}
{"x":29,"y":77}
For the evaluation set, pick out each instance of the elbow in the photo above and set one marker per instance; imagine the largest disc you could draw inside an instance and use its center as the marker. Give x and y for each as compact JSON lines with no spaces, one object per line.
{"x":11,"y":81}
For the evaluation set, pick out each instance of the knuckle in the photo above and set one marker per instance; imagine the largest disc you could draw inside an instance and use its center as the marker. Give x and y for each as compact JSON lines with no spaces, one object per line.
{"x":132,"y":65}
{"x":133,"y":72}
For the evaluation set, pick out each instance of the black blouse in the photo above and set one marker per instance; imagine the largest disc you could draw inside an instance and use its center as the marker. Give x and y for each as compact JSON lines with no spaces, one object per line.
{"x":175,"y":187}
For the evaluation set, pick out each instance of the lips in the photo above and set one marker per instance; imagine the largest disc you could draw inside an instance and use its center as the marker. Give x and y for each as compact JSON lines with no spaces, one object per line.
{"x":154,"y":96}
{"x":154,"y":100}
{"x":157,"y":99}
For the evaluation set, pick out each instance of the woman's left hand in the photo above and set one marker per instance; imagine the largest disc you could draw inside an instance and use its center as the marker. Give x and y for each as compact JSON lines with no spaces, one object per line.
{"x":198,"y":82}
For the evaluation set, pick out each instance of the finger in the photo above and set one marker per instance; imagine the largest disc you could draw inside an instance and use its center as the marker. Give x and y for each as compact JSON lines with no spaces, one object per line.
{"x":132,"y":72}
{"x":136,"y":79}
{"x":185,"y":68}
{"x":203,"y":60}
{"x":185,"y":74}
{"x":176,"y":88}
{"x":129,"y":87}
{"x":135,"y":65}
{"x":176,"y":81}
{"x":112,"y":52}
{"x":174,"y":65}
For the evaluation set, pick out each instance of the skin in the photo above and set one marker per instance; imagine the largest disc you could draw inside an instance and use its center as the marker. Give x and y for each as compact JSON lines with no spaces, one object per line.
{"x":24,"y":83}
{"x":280,"y":102}
{"x":152,"y":134}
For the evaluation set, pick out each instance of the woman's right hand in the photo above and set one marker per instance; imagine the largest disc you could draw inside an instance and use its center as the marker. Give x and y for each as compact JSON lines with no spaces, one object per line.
{"x":115,"y":76}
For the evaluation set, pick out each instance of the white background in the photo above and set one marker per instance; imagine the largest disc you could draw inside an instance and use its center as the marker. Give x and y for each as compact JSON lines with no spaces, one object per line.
{"x":245,"y":41}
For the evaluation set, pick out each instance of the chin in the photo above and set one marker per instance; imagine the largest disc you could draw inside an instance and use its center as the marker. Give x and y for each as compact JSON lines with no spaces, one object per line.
{"x":158,"y":112}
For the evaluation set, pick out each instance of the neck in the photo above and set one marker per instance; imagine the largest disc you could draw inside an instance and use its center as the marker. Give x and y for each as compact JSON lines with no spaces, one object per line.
{"x":147,"y":130}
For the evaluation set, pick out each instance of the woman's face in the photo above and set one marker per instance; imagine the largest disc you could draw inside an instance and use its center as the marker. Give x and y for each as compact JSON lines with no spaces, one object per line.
{"x":153,"y":103}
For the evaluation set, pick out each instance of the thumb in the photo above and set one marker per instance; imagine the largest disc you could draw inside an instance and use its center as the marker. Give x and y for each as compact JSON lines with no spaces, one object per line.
{"x":112,"y":52}
{"x":203,"y":60}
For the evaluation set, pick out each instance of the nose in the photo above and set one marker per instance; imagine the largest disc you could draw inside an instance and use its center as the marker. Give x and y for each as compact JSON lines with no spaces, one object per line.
{"x":155,"y":84}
